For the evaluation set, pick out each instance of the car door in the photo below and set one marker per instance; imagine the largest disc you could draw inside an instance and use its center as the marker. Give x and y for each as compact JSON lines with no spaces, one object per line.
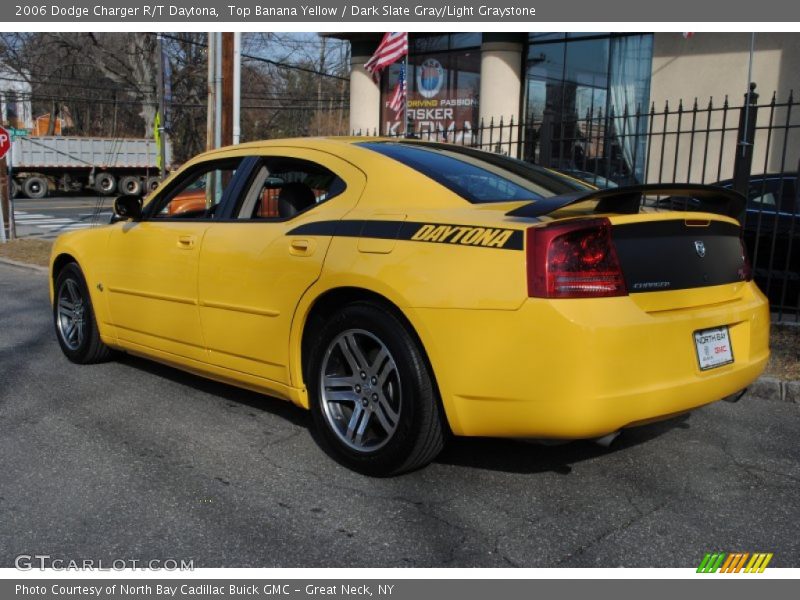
{"x":254,"y":268}
{"x":151,"y":264}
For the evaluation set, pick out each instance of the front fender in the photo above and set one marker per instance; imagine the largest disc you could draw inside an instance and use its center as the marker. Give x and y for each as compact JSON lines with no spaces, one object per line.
{"x":88,"y":249}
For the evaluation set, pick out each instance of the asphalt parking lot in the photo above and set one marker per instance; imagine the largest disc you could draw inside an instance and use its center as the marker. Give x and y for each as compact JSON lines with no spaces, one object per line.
{"x":132,"y":460}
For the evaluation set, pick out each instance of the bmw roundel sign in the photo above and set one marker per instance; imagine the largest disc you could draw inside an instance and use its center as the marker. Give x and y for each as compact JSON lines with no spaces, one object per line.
{"x":430,"y":78}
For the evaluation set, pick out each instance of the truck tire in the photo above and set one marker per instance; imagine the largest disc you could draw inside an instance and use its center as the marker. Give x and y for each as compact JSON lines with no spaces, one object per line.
{"x":14,"y":188}
{"x":152,"y":184}
{"x":130,"y":185}
{"x":35,"y":187}
{"x":105,"y":183}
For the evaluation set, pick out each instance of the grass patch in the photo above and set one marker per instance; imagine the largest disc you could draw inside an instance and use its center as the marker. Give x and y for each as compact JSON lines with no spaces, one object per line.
{"x":34,"y":252}
{"x":784,"y":363}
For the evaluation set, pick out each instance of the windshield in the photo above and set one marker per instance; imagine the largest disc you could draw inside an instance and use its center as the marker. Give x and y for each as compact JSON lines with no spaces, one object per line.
{"x":478,"y":176}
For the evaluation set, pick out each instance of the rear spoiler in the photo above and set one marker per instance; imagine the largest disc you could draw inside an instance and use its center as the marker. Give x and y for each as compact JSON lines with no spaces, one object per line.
{"x":628,"y":200}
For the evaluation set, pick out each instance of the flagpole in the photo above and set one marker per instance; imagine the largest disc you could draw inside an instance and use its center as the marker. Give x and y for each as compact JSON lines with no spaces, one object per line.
{"x":405,"y":93}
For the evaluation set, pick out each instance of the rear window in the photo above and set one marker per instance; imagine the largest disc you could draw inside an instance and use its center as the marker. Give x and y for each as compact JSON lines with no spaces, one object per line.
{"x":478,"y":176}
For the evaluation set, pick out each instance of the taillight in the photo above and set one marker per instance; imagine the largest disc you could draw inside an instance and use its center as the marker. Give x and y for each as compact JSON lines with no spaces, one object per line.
{"x":575,"y":259}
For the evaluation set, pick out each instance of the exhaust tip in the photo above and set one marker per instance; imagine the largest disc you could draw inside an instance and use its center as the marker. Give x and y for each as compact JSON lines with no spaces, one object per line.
{"x":606,"y":440}
{"x":733,"y":398}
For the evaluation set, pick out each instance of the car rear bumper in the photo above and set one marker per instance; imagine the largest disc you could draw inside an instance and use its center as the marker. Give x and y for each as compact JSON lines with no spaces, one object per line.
{"x":584,"y":368}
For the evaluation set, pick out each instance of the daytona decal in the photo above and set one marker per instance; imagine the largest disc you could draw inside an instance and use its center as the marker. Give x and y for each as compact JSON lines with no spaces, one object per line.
{"x":459,"y":234}
{"x":437,"y":233}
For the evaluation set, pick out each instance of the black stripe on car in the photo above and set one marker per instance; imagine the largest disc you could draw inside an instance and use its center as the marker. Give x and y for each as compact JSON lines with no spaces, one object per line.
{"x":437,"y":233}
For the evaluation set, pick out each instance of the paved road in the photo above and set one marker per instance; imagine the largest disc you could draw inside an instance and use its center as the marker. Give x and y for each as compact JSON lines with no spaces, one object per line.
{"x":131,"y":460}
{"x":49,"y":217}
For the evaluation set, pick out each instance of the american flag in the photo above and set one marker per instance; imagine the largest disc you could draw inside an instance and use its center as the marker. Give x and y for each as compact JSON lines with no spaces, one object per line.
{"x":398,"y":100}
{"x":393,"y":46}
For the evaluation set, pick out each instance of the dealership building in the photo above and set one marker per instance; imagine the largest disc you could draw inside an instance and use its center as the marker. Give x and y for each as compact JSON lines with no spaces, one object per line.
{"x":458,"y":81}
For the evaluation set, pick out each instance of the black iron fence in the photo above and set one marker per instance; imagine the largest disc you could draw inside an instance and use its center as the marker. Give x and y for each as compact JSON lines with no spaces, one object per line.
{"x":752,"y":146}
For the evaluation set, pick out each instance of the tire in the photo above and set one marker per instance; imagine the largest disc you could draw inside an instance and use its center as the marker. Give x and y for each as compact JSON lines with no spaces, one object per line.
{"x":74,"y":319}
{"x":373,"y":398}
{"x":35,"y":187}
{"x":152,"y":184}
{"x":130,"y":185}
{"x":105,"y":183}
{"x":14,"y":188}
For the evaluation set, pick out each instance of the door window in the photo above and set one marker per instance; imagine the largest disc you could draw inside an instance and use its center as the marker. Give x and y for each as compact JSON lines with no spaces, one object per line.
{"x":285,"y":187}
{"x":198,"y":193}
{"x":773,"y":194}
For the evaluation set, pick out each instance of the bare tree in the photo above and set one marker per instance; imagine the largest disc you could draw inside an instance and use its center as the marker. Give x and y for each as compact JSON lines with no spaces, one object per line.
{"x":128,"y":59}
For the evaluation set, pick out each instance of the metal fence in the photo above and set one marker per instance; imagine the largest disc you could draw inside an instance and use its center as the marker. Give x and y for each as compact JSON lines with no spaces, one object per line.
{"x":751,"y":146}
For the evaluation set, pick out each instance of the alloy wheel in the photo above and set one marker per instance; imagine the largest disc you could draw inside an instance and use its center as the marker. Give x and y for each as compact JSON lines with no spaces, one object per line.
{"x":71,"y":318}
{"x":360,"y":390}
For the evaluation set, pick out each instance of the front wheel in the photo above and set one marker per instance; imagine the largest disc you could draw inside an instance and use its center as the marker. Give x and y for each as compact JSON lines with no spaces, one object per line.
{"x":75,"y":323}
{"x":373,"y":398}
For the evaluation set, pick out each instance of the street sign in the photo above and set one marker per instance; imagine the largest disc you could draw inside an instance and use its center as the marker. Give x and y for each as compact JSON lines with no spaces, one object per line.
{"x":5,"y":141}
{"x":18,"y":133}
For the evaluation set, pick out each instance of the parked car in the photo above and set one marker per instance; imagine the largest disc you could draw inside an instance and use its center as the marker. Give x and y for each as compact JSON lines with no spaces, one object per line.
{"x":404,"y":290}
{"x":593,"y":179}
{"x":771,"y":233}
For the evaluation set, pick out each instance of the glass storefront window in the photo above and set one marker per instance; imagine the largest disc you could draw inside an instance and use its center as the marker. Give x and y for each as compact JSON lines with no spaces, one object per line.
{"x":545,"y":36}
{"x":576,"y":94}
{"x":585,"y":34}
{"x":443,"y":83}
{"x":546,"y":61}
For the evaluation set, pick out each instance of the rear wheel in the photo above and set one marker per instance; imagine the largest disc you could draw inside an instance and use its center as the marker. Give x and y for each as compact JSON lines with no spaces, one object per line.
{"x":105,"y":183}
{"x":372,"y":394}
{"x":35,"y":187}
{"x":75,"y":323}
{"x":14,"y":188}
{"x":130,"y":185}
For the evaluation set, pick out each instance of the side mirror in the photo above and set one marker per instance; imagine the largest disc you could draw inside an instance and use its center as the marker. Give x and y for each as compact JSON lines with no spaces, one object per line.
{"x":128,"y":207}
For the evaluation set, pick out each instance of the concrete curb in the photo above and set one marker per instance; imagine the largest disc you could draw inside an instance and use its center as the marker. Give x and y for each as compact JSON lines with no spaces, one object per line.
{"x":22,"y":265}
{"x":771,"y":388}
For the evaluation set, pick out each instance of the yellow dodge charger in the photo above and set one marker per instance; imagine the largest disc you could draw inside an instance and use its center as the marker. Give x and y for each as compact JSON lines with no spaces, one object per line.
{"x":403,"y":290}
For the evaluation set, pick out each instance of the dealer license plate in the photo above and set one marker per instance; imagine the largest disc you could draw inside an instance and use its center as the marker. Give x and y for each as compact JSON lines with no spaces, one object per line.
{"x":713,"y":348}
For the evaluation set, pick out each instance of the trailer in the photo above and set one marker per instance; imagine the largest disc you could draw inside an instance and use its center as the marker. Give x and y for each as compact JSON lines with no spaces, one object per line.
{"x":108,"y":166}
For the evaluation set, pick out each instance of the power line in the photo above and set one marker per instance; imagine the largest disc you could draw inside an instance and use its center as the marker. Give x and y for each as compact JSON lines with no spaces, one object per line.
{"x":299,"y":103}
{"x":261,"y":59}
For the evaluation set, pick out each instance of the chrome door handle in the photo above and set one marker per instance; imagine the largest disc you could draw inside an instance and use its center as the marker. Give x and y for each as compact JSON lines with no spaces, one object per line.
{"x":300,"y":244}
{"x":301,"y":247}
{"x":186,"y":241}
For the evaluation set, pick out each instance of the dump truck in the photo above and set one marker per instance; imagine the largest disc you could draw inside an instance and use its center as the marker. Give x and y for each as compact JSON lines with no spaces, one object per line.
{"x":49,"y":164}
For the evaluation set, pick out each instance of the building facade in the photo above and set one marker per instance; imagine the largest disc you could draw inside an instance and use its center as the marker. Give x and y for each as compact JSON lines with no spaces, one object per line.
{"x":580,"y":101}
{"x":15,"y":100}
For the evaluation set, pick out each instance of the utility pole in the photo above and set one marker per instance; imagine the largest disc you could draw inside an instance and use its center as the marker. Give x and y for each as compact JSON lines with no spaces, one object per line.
{"x":237,"y":86}
{"x":212,"y":100}
{"x":224,"y":82}
{"x":226,"y":125}
{"x":6,"y":209}
{"x":217,"y":89}
{"x":161,"y":113}
{"x":6,"y":201}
